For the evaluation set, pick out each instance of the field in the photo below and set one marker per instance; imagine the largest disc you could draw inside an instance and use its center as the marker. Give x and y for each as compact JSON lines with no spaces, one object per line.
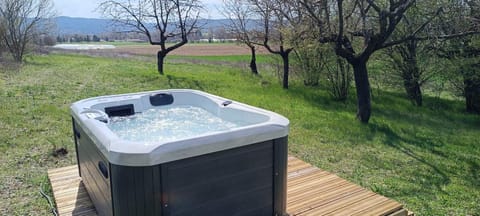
{"x":196,"y":49}
{"x":201,"y":49}
{"x":427,"y":158}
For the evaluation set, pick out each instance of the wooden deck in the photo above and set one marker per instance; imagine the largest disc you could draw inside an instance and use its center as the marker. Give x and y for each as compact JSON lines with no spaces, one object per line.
{"x":311,"y":191}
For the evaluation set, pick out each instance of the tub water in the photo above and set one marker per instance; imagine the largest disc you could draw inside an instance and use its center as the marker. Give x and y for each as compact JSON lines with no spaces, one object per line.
{"x":168,"y":124}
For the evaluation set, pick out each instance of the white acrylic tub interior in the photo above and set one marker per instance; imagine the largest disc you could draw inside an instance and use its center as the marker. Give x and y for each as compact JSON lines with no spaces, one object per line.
{"x":251,"y":125}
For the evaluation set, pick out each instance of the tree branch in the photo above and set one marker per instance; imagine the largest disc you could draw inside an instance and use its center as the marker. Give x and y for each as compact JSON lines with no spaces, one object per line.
{"x":446,"y":37}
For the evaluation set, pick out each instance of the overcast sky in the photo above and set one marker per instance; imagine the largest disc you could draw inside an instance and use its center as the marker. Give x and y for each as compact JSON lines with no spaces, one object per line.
{"x":86,"y":8}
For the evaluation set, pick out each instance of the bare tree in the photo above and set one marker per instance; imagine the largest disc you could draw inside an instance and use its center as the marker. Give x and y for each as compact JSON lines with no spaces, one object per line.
{"x":160,"y":20}
{"x":359,"y":28}
{"x":240,"y":15}
{"x":2,"y":32}
{"x":278,"y":18}
{"x":371,"y":22}
{"x":404,"y":59}
{"x":22,"y":21}
{"x":411,"y":58}
{"x":339,"y":77}
{"x":463,"y":19}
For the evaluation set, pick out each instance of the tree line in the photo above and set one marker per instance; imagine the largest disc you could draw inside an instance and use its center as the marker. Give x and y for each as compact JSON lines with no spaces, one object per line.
{"x":353,"y":30}
{"x":337,"y":36}
{"x":408,"y":31}
{"x":21,"y":22}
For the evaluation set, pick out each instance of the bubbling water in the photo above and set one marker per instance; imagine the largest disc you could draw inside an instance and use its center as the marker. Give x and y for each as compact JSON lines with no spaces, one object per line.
{"x":168,"y":124}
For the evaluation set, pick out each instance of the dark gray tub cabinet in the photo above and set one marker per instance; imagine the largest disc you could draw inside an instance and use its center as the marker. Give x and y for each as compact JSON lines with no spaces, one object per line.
{"x":245,"y":181}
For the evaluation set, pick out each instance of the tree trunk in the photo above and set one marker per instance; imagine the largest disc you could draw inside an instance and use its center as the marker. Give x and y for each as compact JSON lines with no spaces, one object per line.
{"x":472,"y":94}
{"x":160,"y":59}
{"x":411,"y":83}
{"x":285,"y":69}
{"x":362,"y":85}
{"x":416,"y":94}
{"x":411,"y":73}
{"x":253,"y":61}
{"x":17,"y":57}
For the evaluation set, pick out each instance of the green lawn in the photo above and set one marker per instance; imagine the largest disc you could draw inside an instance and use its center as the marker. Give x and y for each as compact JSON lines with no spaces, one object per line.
{"x":261,"y":58}
{"x":427,"y":158}
{"x":130,"y":43}
{"x":115,"y":43}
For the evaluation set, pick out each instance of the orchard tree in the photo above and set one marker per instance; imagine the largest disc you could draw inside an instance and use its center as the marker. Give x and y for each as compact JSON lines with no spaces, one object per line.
{"x":23,"y":20}
{"x":404,"y":58}
{"x":159,"y":20}
{"x":277,"y":23}
{"x":240,"y":13}
{"x":425,"y":26}
{"x":460,"y":28}
{"x":2,"y":32}
{"x":412,"y":59}
{"x":358,"y":28}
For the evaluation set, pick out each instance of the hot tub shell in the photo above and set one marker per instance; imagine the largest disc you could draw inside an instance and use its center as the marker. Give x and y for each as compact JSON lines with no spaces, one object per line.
{"x":241,"y":171}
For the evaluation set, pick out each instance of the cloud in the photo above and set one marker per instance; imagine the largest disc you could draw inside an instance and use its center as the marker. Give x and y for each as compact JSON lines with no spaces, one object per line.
{"x":212,"y":7}
{"x":77,"y":8}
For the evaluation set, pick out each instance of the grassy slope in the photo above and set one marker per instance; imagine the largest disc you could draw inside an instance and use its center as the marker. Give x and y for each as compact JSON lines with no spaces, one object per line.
{"x":261,"y":58}
{"x":427,"y":158}
{"x":129,"y":43}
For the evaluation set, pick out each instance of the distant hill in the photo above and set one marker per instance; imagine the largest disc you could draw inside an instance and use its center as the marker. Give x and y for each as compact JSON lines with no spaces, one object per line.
{"x":90,"y":26}
{"x":72,"y":25}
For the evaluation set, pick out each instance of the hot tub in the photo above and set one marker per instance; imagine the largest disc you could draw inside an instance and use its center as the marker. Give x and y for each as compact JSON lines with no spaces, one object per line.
{"x":189,"y":153}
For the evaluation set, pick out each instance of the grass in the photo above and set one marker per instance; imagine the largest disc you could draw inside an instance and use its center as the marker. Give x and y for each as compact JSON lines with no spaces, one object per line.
{"x":427,"y":158}
{"x":115,"y":43}
{"x":132,"y":43}
{"x":261,"y":58}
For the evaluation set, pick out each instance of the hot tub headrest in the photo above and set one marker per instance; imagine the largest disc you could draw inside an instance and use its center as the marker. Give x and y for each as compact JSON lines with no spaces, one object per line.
{"x":122,"y":110}
{"x":161,"y":99}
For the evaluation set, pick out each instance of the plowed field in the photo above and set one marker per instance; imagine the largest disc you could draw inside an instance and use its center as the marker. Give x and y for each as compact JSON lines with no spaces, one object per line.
{"x":190,"y":50}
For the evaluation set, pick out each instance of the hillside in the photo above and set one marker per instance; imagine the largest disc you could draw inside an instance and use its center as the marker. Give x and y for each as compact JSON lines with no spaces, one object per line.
{"x":91,"y":26}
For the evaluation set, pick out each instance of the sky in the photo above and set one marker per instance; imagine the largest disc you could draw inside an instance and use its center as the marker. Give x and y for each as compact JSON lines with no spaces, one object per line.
{"x":86,"y":8}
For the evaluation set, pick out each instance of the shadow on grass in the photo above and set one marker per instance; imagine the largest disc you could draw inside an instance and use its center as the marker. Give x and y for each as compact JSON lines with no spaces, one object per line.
{"x":317,"y":97}
{"x":474,"y":169}
{"x":419,"y":133}
{"x":435,"y":111}
{"x":396,"y":141}
{"x":182,"y":82}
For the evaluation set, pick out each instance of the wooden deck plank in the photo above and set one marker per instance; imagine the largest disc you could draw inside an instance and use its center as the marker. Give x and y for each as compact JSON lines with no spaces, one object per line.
{"x":298,"y":167}
{"x":310,"y":191}
{"x":298,"y":173}
{"x":385,"y":208}
{"x":401,"y":212}
{"x":324,"y":183}
{"x":299,"y":199}
{"x":320,"y":199}
{"x":344,"y":202}
{"x":309,"y":180}
{"x":299,"y":195}
{"x":61,"y":169}
{"x":70,"y":195}
{"x":360,"y":208}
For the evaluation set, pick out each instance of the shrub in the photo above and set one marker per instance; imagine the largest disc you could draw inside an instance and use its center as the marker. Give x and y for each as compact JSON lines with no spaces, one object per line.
{"x":339,"y":76}
{"x":310,"y":59}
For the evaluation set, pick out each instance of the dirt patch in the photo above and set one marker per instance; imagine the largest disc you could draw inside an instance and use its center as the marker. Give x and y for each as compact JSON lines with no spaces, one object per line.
{"x":190,"y":50}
